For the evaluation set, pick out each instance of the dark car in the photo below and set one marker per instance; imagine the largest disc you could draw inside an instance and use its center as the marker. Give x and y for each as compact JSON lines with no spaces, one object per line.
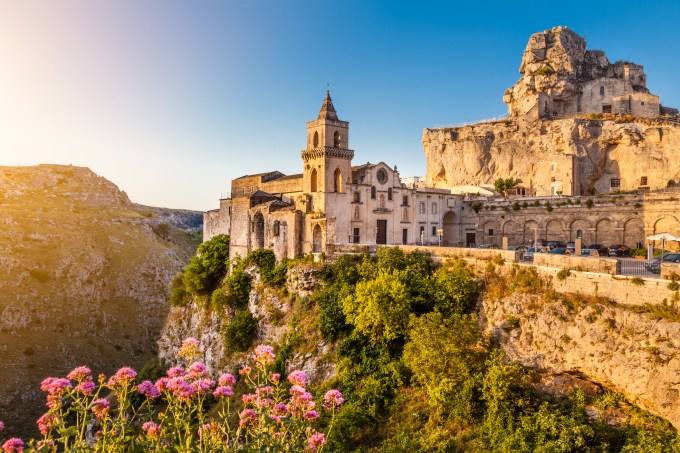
{"x":655,"y":264}
{"x":558,"y":251}
{"x":571,"y":246}
{"x":599,"y":248}
{"x":556,"y":244}
{"x":619,"y":250}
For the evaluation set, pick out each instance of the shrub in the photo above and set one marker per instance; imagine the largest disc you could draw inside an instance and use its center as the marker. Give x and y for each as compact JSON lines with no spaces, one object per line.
{"x":544,"y":71}
{"x":208,"y":266}
{"x":548,"y":206}
{"x":238,"y":285}
{"x":589,"y":203}
{"x":516,"y":206}
{"x":674,"y":286}
{"x":476,"y":206}
{"x":637,"y":281}
{"x":512,"y":322}
{"x":178,"y":292}
{"x":239,"y":333}
{"x":563,"y":274}
{"x":264,"y":259}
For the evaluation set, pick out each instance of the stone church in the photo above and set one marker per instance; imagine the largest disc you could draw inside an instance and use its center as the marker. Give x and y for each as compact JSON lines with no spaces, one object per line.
{"x":333,"y":204}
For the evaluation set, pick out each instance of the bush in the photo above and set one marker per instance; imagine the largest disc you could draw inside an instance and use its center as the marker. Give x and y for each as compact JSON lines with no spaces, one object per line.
{"x":238,"y":286}
{"x":589,"y":203}
{"x":674,"y":286}
{"x":208,"y":266}
{"x":637,"y":281}
{"x":548,"y":206}
{"x":178,"y":292}
{"x":239,"y":333}
{"x":563,"y":274}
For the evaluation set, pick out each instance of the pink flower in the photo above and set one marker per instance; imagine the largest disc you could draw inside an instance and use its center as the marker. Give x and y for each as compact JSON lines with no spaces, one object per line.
{"x":248,"y":398}
{"x":332,"y":399}
{"x":247,"y":417}
{"x":266,"y":390}
{"x":180,"y":388}
{"x":264,"y":402}
{"x":190,"y":349}
{"x":13,"y":445}
{"x":316,"y":441}
{"x":311,"y":415}
{"x":86,"y":387}
{"x":276,"y":418}
{"x":245,"y":370}
{"x":265,"y":354}
{"x":196,"y":370}
{"x":298,"y":377}
{"x":161,"y":384}
{"x":46,"y":422}
{"x":151,"y":429}
{"x":175,"y":372}
{"x":47,"y":445}
{"x":226,"y":379}
{"x":149,"y":390}
{"x":203,"y":386}
{"x":281,"y":409}
{"x":123,"y":376}
{"x":223,"y":391}
{"x":55,"y":386}
{"x":275,"y":378}
{"x":2,"y":426}
{"x":80,"y":373}
{"x":100,"y":408}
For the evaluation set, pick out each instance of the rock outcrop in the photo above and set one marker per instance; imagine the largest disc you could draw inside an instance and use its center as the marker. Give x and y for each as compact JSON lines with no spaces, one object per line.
{"x":569,"y":156}
{"x":83,"y":281}
{"x":632,"y":353}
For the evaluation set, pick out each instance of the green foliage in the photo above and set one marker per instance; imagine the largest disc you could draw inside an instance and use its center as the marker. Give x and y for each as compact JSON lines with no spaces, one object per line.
{"x":589,"y":203}
{"x":637,"y":281}
{"x":238,"y":285}
{"x":512,"y":322}
{"x":454,"y":291}
{"x":548,"y":206}
{"x":674,"y":286}
{"x":516,"y":206}
{"x":563,"y":274}
{"x":476,"y":206}
{"x":503,"y":185}
{"x":544,"y":71}
{"x":264,"y":259}
{"x":178,"y":292}
{"x":239,"y":333}
{"x":208,"y":266}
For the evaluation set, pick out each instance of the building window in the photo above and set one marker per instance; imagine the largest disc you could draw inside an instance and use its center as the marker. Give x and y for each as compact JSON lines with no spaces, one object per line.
{"x":356,"y":213}
{"x":355,"y":238}
{"x":357,"y":197}
{"x":552,"y":179}
{"x":643,"y":180}
{"x":389,"y":194}
{"x":422,"y":233}
{"x":601,"y":91}
{"x":404,"y":200}
{"x":337,"y":180}
{"x":642,"y":103}
{"x":316,"y":140}
{"x":434,"y":208}
{"x":313,"y":181}
{"x":490,"y":231}
{"x":434,"y":231}
{"x":579,"y":234}
{"x":404,"y":215}
{"x":277,"y":227}
{"x":615,"y":183}
{"x":382,"y":201}
{"x":336,"y":139}
{"x":382,"y":176}
{"x":553,"y":167}
{"x":372,"y":192}
{"x":421,"y":207}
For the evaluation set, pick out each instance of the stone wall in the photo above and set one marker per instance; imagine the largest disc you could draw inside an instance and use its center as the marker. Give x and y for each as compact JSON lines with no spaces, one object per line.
{"x":583,"y":263}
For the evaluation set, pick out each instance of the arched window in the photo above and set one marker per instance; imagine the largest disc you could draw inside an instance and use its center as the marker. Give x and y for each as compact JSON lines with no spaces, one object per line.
{"x":372,"y":192}
{"x":601,"y":91}
{"x":579,"y":234}
{"x":313,"y":181}
{"x":337,"y":180}
{"x":336,"y":139}
{"x":316,"y":139}
{"x":382,"y":200}
{"x":389,"y":194}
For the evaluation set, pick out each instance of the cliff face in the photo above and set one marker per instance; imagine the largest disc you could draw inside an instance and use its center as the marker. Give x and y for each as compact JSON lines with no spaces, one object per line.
{"x":541,"y":155}
{"x":633,"y":353}
{"x":83,"y":280}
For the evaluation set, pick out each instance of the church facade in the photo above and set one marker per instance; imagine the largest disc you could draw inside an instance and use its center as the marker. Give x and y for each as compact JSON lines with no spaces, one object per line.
{"x":333,"y":203}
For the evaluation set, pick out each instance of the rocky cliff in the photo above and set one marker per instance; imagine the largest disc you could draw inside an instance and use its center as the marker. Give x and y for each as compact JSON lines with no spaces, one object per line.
{"x":618,"y":348}
{"x":573,"y":155}
{"x":83,"y":280}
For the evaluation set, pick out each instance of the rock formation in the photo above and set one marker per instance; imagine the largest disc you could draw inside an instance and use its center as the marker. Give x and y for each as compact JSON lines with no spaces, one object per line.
{"x":630,"y":352}
{"x":577,"y":123}
{"x":83,"y":281}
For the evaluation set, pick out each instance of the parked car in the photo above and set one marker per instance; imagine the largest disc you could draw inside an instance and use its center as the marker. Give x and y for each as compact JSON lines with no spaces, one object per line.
{"x":571,"y":246}
{"x":556,"y":245}
{"x":528,"y":254}
{"x":487,"y":246}
{"x":586,"y":252}
{"x":538,"y":243}
{"x":619,"y":250}
{"x":655,"y":264}
{"x":599,"y":248}
{"x":558,"y":251}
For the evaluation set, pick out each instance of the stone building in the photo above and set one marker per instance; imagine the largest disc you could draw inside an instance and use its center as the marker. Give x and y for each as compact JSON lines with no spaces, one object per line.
{"x":333,"y":203}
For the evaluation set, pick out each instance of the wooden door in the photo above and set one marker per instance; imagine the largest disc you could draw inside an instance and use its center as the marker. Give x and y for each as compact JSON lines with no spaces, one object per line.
{"x":381,"y":232}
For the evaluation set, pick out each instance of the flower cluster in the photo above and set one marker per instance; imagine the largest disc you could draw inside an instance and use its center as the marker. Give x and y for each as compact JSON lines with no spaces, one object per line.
{"x":175,"y":413}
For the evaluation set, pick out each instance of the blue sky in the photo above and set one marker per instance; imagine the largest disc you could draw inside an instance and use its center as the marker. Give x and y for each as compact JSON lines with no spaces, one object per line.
{"x":171,"y":100}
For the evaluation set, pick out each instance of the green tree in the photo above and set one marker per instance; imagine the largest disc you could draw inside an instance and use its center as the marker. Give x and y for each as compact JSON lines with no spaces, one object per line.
{"x":380,"y":307}
{"x":208,"y":266}
{"x":503,"y":185}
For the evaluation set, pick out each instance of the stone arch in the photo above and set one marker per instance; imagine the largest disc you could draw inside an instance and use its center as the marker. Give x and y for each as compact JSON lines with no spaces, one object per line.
{"x":510,"y":229}
{"x":336,"y":139}
{"x":634,"y":232}
{"x":605,"y":233}
{"x":489,"y":232}
{"x":530,"y":231}
{"x":668,"y":224}
{"x":313,"y":181}
{"x":315,"y":143}
{"x":580,"y":226}
{"x":258,"y":229}
{"x":450,"y":230}
{"x":337,"y":180}
{"x":317,"y":239}
{"x":554,"y":231}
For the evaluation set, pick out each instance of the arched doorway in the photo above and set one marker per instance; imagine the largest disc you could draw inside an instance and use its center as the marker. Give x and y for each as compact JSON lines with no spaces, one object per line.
{"x":605,"y":234}
{"x":489,"y":233}
{"x":667,"y":225}
{"x":450,"y":231}
{"x":510,"y":231}
{"x":634,"y":233}
{"x":531,"y":231}
{"x":337,"y":180}
{"x":317,"y":239}
{"x":313,"y":186}
{"x":258,"y":228}
{"x":579,"y":228}
{"x":553,"y":231}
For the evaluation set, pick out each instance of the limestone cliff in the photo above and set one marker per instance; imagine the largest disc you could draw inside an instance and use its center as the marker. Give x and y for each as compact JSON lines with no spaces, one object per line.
{"x":571,"y":156}
{"x":83,"y":280}
{"x":630,"y":352}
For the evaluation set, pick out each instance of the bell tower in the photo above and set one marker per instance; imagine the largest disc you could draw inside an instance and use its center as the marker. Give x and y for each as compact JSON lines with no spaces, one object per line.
{"x":327,"y":159}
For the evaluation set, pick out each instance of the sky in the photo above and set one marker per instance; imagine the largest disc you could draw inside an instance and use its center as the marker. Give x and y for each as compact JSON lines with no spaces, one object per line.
{"x":171,"y":100}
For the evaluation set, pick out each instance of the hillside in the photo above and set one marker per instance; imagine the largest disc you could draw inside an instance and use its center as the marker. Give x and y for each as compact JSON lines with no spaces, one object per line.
{"x":83,"y":279}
